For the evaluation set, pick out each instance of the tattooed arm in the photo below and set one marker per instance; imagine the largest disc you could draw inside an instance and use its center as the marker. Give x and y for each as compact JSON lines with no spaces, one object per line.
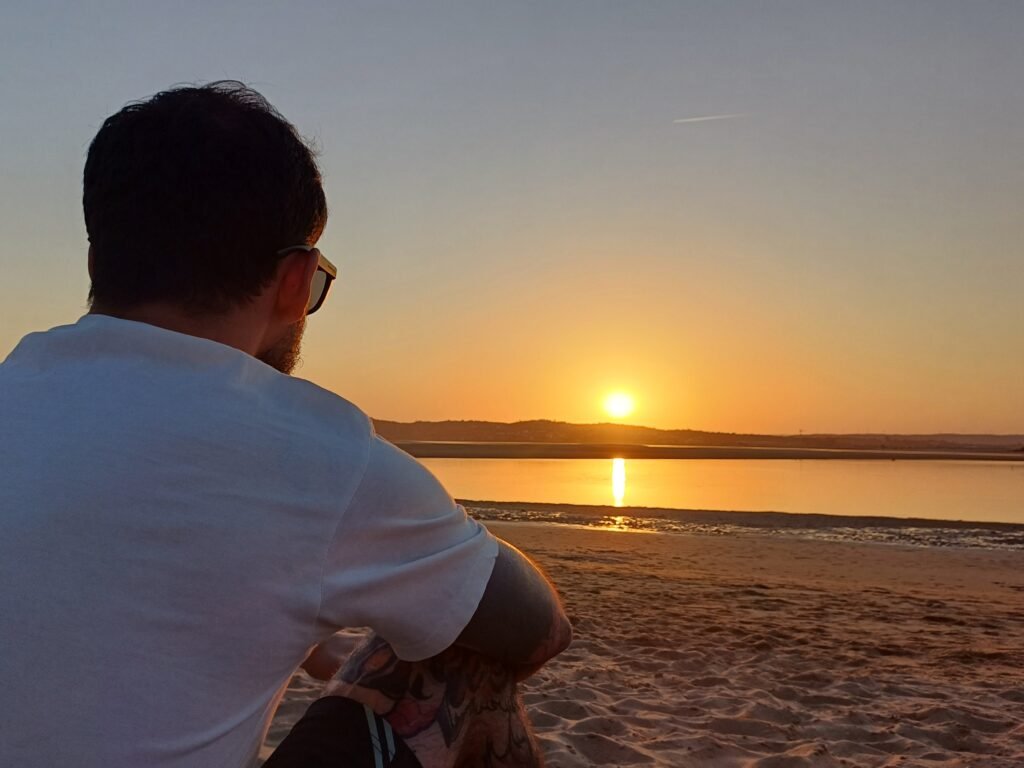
{"x":519,"y":622}
{"x":461,"y":707}
{"x":454,"y":710}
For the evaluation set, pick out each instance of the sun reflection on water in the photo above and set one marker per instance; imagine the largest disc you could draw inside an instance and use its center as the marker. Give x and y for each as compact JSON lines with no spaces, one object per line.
{"x":618,"y":481}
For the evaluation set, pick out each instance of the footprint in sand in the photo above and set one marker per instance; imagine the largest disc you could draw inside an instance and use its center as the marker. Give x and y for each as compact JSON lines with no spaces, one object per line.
{"x":601,"y":750}
{"x":565,"y":709}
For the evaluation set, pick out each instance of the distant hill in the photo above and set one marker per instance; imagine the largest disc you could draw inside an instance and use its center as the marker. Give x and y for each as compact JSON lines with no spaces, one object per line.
{"x":544,"y":431}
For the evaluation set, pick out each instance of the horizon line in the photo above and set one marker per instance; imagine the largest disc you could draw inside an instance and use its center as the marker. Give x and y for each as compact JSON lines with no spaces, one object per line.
{"x":801,"y":433}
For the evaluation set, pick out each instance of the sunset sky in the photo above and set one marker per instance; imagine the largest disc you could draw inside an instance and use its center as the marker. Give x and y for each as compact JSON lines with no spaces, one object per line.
{"x":530,"y":210}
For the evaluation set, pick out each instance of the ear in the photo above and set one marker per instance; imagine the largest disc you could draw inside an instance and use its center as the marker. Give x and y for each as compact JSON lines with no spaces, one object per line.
{"x":294,"y":276}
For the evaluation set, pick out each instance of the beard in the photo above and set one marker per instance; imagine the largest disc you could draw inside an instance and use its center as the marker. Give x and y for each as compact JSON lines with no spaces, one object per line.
{"x":284,"y":354}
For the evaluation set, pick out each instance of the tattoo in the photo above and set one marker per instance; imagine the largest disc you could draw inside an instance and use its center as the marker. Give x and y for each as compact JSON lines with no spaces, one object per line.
{"x":457,"y":708}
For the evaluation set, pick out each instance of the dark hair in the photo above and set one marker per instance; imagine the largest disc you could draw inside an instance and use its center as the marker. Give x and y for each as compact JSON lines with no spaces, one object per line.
{"x":188,"y":196}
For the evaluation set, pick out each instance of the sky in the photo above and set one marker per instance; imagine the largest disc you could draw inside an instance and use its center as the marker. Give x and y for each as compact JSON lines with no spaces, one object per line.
{"x":531,"y":206}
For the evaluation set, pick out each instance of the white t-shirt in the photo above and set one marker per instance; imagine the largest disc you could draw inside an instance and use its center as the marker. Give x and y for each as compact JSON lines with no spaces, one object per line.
{"x":179,"y":524}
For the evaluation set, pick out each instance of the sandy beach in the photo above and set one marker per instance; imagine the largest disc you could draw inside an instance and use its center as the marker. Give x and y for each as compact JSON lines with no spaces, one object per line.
{"x":772,"y":652}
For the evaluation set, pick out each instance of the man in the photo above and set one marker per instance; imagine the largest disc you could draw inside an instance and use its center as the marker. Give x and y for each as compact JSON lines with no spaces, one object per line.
{"x":183,"y":521}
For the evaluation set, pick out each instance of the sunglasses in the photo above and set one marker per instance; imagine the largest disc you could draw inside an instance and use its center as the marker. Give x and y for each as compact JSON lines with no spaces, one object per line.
{"x":322,"y":278}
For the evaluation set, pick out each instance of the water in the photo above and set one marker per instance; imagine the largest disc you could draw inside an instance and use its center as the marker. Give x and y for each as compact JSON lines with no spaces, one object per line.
{"x":981,"y":491}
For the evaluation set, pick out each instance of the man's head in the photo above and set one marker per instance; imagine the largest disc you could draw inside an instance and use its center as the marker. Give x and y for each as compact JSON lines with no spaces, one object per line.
{"x":190,"y":197}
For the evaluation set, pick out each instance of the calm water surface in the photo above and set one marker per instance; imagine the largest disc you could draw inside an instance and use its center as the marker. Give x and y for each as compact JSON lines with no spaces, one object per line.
{"x":939,"y":490}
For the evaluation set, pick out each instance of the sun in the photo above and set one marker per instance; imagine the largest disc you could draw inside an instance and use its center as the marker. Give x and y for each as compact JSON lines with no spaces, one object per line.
{"x":619,"y":405}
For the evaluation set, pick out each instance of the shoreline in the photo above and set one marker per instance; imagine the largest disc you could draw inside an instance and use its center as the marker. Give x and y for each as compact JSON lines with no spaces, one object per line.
{"x":460,"y":450}
{"x":912,"y":532}
{"x":749,"y":518}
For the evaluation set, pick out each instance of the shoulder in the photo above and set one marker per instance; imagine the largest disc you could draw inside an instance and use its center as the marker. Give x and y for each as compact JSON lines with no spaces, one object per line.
{"x":320,"y":406}
{"x":394,"y":477}
{"x":318,"y":420}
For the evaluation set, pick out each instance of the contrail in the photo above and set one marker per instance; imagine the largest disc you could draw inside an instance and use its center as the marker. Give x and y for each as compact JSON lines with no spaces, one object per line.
{"x":705,"y":118}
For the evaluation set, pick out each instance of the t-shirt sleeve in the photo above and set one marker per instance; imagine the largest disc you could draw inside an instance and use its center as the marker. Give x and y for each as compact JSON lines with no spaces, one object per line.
{"x":405,"y":560}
